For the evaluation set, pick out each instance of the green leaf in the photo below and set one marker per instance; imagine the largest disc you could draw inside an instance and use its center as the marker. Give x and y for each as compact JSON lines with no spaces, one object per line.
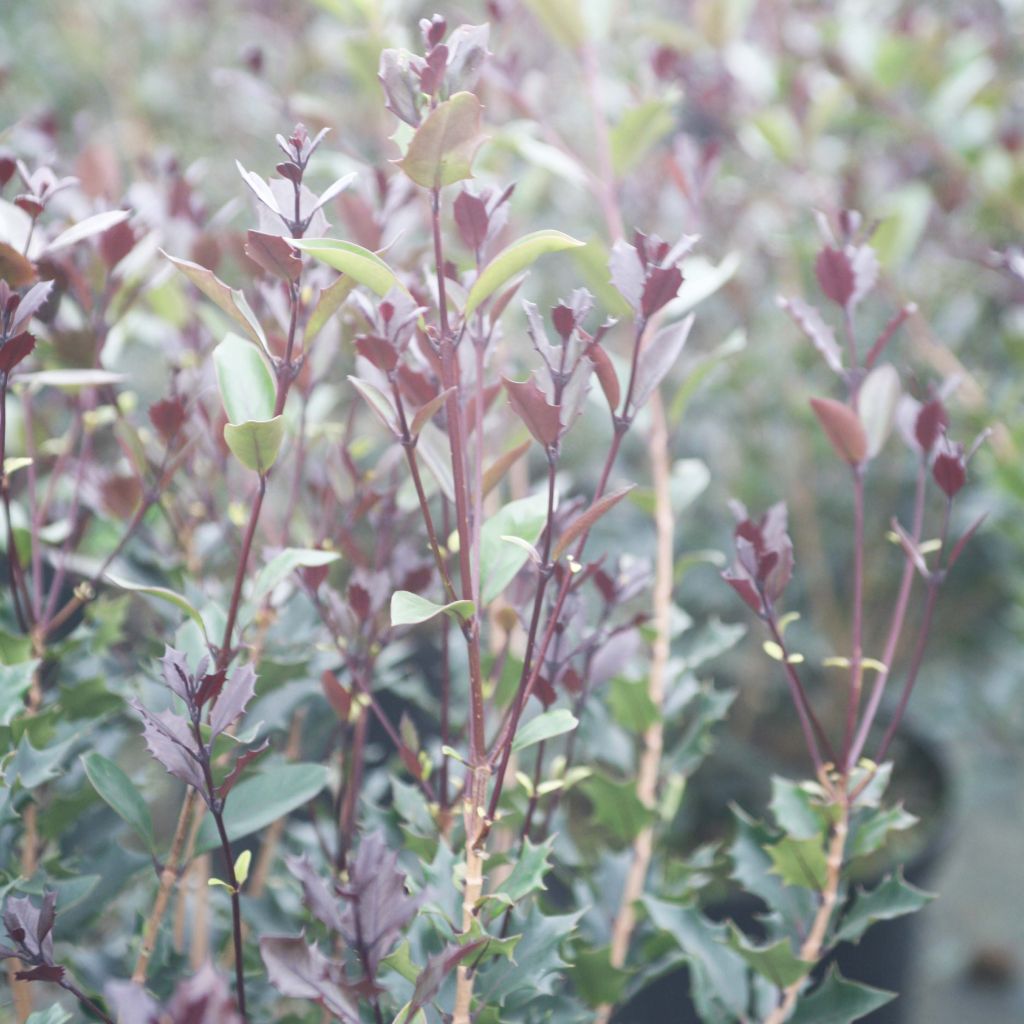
{"x":596,"y":979}
{"x":162,"y":594}
{"x":637,"y":131}
{"x":284,"y":563}
{"x":512,"y":260}
{"x":380,"y":404}
{"x":70,"y":378}
{"x":776,"y":962}
{"x":563,"y":19}
{"x":631,"y":705}
{"x":441,"y":150}
{"x":230,"y":300}
{"x":244,"y":379}
{"x":405,"y":1017}
{"x":500,"y":560}
{"x":892,"y":898}
{"x":256,"y":443}
{"x":328,"y":303}
{"x":718,"y":975}
{"x":800,"y":862}
{"x":545,"y":726}
{"x":120,"y":793}
{"x":363,"y":266}
{"x":871,"y":829}
{"x":259,"y":800}
{"x":14,"y":649}
{"x":527,"y":875}
{"x":617,"y":807}
{"x":797,"y":809}
{"x":838,"y":1001}
{"x":56,"y":1014}
{"x":15,"y":681}
{"x":408,"y":609}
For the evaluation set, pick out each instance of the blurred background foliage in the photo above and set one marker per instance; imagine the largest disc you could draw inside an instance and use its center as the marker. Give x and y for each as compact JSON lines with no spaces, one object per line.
{"x":732,"y":119}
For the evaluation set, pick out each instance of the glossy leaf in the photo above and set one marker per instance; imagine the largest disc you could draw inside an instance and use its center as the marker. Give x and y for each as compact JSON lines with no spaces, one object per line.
{"x":531,"y":405}
{"x":363,"y":266}
{"x":244,"y":379}
{"x":500,"y":560}
{"x":408,"y":609}
{"x":545,"y":726}
{"x":263,"y":798}
{"x":380,"y":404}
{"x":658,"y":357}
{"x":327,"y":304}
{"x":88,"y":227}
{"x":119,"y":792}
{"x":256,"y":443}
{"x":283,"y":564}
{"x":838,"y":1001}
{"x":777,"y":961}
{"x":442,"y":148}
{"x":877,"y":398}
{"x":513,"y":260}
{"x":230,"y":300}
{"x":891,"y":898}
{"x":162,"y":594}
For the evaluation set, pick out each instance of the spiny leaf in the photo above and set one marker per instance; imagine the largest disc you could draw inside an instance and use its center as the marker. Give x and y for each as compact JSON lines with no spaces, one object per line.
{"x":838,"y":1001}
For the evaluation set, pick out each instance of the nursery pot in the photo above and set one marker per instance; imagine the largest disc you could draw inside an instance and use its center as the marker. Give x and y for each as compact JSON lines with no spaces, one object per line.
{"x":884,"y":957}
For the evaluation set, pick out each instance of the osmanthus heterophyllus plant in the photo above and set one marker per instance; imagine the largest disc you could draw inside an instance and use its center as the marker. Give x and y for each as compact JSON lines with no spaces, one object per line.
{"x":804,"y":863}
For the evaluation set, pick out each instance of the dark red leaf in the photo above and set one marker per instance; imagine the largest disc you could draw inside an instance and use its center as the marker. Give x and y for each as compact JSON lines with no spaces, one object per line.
{"x":606,"y":375}
{"x":544,"y":692}
{"x":432,"y":74}
{"x":433,"y":30}
{"x":15,"y":350}
{"x":661,"y":288}
{"x":932,"y":422}
{"x":439,"y":967}
{"x":835,"y":275}
{"x":532,"y":407}
{"x":744,"y":588}
{"x":116,"y":242}
{"x":378,"y":351}
{"x":44,"y":972}
{"x":7,"y":169}
{"x":288,"y":169}
{"x":950,"y":471}
{"x":564,"y":320}
{"x":121,"y":494}
{"x":337,"y":696}
{"x":30,"y":304}
{"x":274,"y":255}
{"x":314,"y":575}
{"x":167,"y":417}
{"x":235,"y":774}
{"x":472,"y":220}
{"x":15,"y":269}
{"x":359,"y":601}
{"x":843,"y":428}
{"x":210,"y":687}
{"x":585,"y":520}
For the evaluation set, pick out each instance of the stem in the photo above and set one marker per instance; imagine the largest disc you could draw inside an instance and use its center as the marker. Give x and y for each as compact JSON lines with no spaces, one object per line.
{"x":353,"y":780}
{"x":895,"y":624}
{"x":70,"y":986}
{"x":19,"y":592}
{"x":917,"y":658}
{"x":857,"y":654}
{"x":225,"y":652}
{"x":814,"y":944}
{"x":653,"y":739}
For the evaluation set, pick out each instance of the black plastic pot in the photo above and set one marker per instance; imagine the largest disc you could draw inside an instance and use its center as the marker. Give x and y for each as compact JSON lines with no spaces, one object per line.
{"x":884,"y":957}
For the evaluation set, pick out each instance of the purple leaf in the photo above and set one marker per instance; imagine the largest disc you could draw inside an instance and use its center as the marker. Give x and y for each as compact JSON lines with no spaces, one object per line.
{"x":932,"y":421}
{"x":15,"y":350}
{"x":439,"y":967}
{"x":379,"y":907}
{"x":244,"y":759}
{"x":237,"y":692}
{"x":471,"y":219}
{"x":177,"y":675}
{"x":300,"y":971}
{"x":399,"y":75}
{"x":809,"y":320}
{"x":950,"y":469}
{"x":531,"y":405}
{"x":835,"y":275}
{"x":274,"y":255}
{"x":315,"y":894}
{"x":467,"y":51}
{"x":661,"y":288}
{"x":658,"y":357}
{"x":606,"y":375}
{"x":170,"y":740}
{"x":130,"y":1001}
{"x":583,"y":522}
{"x":30,"y":926}
{"x":205,"y":998}
{"x":30,"y":304}
{"x":627,"y":273}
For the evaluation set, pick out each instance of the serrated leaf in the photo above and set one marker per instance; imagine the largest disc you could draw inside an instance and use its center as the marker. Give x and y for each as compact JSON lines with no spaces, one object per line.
{"x":15,"y":681}
{"x":256,"y":443}
{"x":117,"y":790}
{"x":245,"y":382}
{"x":777,"y":962}
{"x":513,"y":260}
{"x":800,"y":862}
{"x":871,"y":830}
{"x":499,"y":560}
{"x":527,"y":874}
{"x":545,"y":726}
{"x":891,"y":898}
{"x":361,"y":265}
{"x":162,"y":594}
{"x":408,"y":609}
{"x":838,"y":1001}
{"x":230,"y":300}
{"x":442,"y":148}
{"x":797,"y":810}
{"x":617,"y":807}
